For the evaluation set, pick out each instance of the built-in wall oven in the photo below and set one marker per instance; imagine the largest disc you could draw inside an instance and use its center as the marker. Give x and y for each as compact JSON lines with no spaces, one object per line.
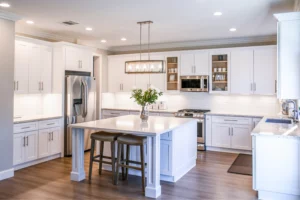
{"x":199,"y":115}
{"x":194,"y":83}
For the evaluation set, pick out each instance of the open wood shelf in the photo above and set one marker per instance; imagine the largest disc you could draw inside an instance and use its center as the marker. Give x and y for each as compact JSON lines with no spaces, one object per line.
{"x":219,"y":81}
{"x":220,"y":61}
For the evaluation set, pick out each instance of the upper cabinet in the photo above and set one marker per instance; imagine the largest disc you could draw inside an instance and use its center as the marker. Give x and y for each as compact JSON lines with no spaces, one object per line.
{"x":194,"y":63}
{"x":33,"y":68}
{"x":288,"y":39}
{"x":220,"y":72}
{"x":78,"y":59}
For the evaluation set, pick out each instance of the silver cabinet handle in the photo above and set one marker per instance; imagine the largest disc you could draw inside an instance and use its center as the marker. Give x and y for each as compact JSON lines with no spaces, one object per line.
{"x":120,"y":87}
{"x":275,"y":86}
{"x":27,"y":140}
{"x":251,"y":86}
{"x":230,"y":120}
{"x":25,"y":127}
{"x":43,"y":86}
{"x":50,"y":124}
{"x":14,"y":85}
{"x":24,"y":144}
{"x":52,"y":135}
{"x":229,"y":131}
{"x":49,"y":136}
{"x":17,"y":85}
{"x":115,"y":113}
{"x":254,"y":86}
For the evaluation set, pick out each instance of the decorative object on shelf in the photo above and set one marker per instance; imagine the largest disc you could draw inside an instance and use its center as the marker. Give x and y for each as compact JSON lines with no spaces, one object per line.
{"x":172,"y":77}
{"x":144,"y":66}
{"x":220,"y":57}
{"x":145,"y":99}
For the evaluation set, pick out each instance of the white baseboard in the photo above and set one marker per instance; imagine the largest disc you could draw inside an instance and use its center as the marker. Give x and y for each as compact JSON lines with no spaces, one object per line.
{"x":265,"y":195}
{"x":35,"y":162}
{"x":228,"y":150}
{"x":6,"y":174}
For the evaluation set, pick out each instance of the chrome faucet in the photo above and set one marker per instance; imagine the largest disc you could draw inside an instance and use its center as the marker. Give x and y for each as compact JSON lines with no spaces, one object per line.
{"x":295,"y":111}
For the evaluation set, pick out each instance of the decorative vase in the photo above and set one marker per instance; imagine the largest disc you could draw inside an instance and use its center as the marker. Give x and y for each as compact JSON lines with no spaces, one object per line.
{"x":144,"y":113}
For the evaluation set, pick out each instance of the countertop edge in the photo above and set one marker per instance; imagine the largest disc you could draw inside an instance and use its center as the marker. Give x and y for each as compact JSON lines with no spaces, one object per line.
{"x":137,"y":110}
{"x":235,"y":115}
{"x":20,"y":121}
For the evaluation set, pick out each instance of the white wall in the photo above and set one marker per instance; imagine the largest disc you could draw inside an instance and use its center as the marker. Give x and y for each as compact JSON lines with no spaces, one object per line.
{"x":264,"y":105}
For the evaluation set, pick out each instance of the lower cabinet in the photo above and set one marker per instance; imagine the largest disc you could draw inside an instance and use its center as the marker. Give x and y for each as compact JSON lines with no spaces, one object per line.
{"x":221,"y":135}
{"x":241,"y":137}
{"x":165,"y":157}
{"x":49,"y":142}
{"x":25,"y":147}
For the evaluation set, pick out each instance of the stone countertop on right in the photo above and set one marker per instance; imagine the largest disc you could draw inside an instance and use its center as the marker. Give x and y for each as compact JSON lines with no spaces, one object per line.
{"x":264,"y":128}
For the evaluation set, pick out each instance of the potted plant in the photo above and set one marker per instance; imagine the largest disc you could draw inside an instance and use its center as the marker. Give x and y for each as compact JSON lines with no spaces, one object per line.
{"x":145,"y":99}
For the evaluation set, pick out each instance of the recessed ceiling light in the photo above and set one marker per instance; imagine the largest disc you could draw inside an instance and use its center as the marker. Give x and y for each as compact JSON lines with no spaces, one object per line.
{"x":29,"y":22}
{"x":103,"y":41}
{"x":217,"y":13}
{"x":232,"y":29}
{"x":123,"y":39}
{"x":88,"y":29}
{"x":5,"y":5}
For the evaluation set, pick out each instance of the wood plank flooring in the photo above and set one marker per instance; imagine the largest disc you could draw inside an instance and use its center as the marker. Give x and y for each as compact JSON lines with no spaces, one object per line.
{"x":209,"y":180}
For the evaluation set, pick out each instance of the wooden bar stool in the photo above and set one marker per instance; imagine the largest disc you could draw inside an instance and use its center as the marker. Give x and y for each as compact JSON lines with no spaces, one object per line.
{"x":103,"y":137}
{"x":130,"y":140}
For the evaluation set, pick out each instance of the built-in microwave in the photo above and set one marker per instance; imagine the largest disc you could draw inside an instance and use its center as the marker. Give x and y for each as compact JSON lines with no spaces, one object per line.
{"x":194,"y":83}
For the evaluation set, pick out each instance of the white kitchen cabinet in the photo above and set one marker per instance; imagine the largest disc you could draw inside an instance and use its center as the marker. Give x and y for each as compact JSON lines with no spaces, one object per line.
{"x":49,"y":142}
{"x":241,"y":137}
{"x":46,"y":69}
{"x":194,"y":63}
{"x":21,"y":67}
{"x":221,"y":135}
{"x":241,"y":71}
{"x":25,"y":147}
{"x":78,"y":59}
{"x":55,"y":141}
{"x":208,"y":134}
{"x":288,"y":40}
{"x":142,"y":81}
{"x":265,"y":71}
{"x":118,"y":80}
{"x":165,"y":157}
{"x":158,"y":81}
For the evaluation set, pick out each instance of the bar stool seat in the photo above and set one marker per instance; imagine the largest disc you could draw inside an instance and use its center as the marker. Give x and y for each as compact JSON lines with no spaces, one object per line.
{"x":130,"y":140}
{"x":103,"y":136}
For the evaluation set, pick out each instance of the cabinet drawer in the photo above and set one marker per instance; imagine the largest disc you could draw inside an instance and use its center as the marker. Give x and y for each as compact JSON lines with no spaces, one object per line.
{"x":166,"y":136}
{"x":49,"y":123}
{"x":134,"y":112}
{"x":231,"y":120}
{"x":25,"y":127}
{"x":115,"y":112}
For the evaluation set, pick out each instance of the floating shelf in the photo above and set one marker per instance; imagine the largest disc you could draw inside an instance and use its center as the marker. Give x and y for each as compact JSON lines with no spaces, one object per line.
{"x":219,"y":72}
{"x":220,"y":61}
{"x":172,"y":72}
{"x":172,"y":63}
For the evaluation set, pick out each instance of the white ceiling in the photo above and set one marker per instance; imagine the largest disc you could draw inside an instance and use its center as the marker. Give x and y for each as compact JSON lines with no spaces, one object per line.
{"x":174,"y":20}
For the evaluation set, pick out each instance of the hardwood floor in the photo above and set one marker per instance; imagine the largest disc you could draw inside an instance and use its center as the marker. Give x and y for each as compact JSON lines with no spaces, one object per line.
{"x":209,"y":180}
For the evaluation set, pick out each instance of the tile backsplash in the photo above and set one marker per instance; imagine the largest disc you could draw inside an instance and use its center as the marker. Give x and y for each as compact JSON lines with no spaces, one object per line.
{"x":216,"y":103}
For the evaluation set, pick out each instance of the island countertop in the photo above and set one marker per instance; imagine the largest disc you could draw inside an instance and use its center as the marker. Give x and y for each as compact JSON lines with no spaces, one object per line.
{"x":275,"y":129}
{"x":156,"y":125}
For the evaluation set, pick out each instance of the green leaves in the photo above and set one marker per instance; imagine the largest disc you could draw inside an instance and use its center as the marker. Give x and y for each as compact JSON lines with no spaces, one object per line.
{"x":145,"y":98}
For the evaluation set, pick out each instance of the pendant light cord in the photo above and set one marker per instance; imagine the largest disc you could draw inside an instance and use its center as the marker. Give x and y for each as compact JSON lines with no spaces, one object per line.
{"x":140,"y":41}
{"x":149,"y":41}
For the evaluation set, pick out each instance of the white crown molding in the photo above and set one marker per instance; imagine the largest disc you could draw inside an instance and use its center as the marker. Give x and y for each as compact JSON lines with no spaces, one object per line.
{"x":9,"y":16}
{"x":287,"y":16}
{"x":93,"y":43}
{"x":198,"y":44}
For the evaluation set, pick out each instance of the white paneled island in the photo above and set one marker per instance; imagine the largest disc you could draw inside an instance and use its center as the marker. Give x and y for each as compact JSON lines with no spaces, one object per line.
{"x":171,"y":146}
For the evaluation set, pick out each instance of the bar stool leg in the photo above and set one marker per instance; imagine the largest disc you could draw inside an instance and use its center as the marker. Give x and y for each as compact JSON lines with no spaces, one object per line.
{"x":101,"y":157}
{"x":143,"y":167}
{"x":122,"y":158}
{"x":91,"y":158}
{"x":113,"y":156}
{"x":118,"y":163}
{"x":127,"y":159}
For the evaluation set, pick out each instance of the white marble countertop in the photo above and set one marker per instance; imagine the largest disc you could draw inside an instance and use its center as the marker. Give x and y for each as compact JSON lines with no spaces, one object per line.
{"x":132,"y":124}
{"x":23,"y":119}
{"x":274,"y":129}
{"x":136,"y":109}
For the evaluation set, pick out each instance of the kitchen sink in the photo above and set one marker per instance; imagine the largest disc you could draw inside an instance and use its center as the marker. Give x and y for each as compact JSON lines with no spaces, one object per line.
{"x":279,"y":121}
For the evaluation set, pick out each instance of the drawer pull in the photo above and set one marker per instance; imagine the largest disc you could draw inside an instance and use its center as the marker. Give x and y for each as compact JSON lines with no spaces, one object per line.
{"x":230,"y":120}
{"x":50,"y":124}
{"x":25,"y":127}
{"x":115,"y":113}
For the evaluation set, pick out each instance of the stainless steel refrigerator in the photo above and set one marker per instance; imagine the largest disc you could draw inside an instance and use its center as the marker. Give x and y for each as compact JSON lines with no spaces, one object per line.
{"x":80,"y":106}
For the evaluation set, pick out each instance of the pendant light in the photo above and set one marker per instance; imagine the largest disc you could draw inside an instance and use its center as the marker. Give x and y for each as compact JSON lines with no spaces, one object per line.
{"x":144,"y":66}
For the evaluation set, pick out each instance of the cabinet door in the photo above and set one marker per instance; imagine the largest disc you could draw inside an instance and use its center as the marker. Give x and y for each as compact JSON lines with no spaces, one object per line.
{"x":221,"y":135}
{"x":31,"y":152}
{"x":115,"y":71}
{"x":241,"y":72}
{"x":21,"y":67}
{"x":72,"y":59}
{"x":202,"y":63}
{"x":265,"y":71}
{"x":35,"y":68}
{"x":46,"y":69}
{"x":19,"y":145}
{"x":165,"y":157}
{"x":187,"y":64}
{"x":158,"y":81}
{"x":86,"y":58}
{"x":44,"y":140}
{"x":241,"y":137}
{"x":55,"y":141}
{"x":142,"y":81}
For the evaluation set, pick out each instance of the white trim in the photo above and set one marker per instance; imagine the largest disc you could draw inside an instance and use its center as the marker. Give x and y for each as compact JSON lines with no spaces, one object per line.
{"x":6,"y":174}
{"x":36,"y":41}
{"x":287,"y":16}
{"x":199,"y":43}
{"x":9,"y":16}
{"x":276,"y":196}
{"x":35,"y":162}
{"x":226,"y":150}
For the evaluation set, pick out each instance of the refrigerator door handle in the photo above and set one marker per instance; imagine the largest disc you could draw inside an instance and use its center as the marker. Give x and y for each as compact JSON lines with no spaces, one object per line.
{"x":84,"y":98}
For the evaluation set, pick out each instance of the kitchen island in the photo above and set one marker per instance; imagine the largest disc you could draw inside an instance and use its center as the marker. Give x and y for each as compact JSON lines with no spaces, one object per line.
{"x":178,"y":157}
{"x":276,"y":159}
